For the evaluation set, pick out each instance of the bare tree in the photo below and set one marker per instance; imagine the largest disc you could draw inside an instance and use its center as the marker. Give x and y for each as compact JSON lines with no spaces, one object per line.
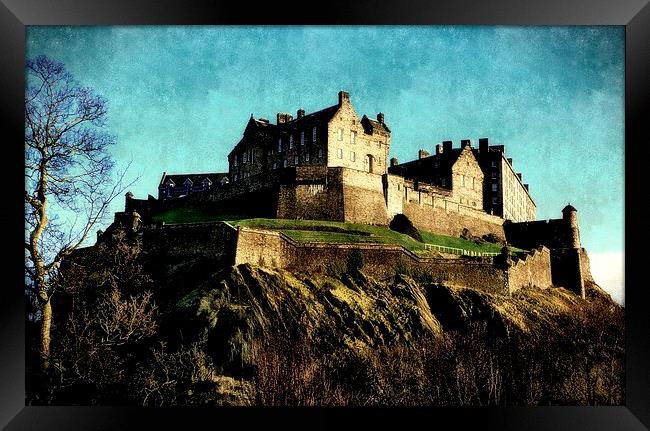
{"x":68,"y":176}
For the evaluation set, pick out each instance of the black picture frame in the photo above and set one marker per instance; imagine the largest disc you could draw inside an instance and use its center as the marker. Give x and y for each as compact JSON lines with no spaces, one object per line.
{"x":633,"y":14}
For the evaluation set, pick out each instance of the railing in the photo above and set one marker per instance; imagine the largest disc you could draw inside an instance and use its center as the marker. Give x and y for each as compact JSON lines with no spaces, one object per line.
{"x":460,"y":251}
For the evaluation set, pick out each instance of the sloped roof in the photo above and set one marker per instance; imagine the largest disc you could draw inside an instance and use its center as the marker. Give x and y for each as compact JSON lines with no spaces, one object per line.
{"x":179,"y":179}
{"x":370,"y":125}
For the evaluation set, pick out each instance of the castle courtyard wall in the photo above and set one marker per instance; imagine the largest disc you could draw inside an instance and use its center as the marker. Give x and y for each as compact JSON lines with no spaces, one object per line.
{"x":533,"y":269}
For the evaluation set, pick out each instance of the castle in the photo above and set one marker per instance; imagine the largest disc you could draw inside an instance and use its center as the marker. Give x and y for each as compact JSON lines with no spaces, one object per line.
{"x":333,"y":165}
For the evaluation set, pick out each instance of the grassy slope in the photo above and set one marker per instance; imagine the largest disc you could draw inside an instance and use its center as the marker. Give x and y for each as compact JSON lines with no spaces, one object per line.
{"x":326,"y":231}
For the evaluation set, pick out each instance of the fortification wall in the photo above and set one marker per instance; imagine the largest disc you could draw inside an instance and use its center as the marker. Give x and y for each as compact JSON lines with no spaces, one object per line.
{"x":259,"y":247}
{"x":216,"y":241}
{"x":315,"y":194}
{"x":274,"y":249}
{"x":533,"y":269}
{"x":453,"y":220}
{"x":363,"y":196}
{"x":554,"y":233}
{"x":393,"y":192}
{"x":566,"y":269}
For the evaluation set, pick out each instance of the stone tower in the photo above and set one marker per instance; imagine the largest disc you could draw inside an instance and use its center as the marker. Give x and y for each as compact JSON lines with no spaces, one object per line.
{"x":569,"y":213}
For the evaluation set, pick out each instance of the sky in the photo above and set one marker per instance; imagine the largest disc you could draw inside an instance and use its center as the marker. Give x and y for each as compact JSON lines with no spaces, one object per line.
{"x":179,"y":99}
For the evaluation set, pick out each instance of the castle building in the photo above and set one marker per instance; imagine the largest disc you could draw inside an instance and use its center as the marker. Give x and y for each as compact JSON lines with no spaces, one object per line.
{"x":332,"y":137}
{"x":478,"y":177}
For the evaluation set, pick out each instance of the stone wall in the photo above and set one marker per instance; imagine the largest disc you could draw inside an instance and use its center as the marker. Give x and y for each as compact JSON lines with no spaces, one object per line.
{"x":453,"y":220}
{"x":532,"y":269}
{"x":567,"y":269}
{"x":260,"y":247}
{"x":363,"y":197}
{"x":554,"y":233}
{"x":216,"y":241}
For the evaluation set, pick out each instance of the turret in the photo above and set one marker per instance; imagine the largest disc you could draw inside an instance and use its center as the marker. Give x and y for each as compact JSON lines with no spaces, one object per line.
{"x":570,"y":215}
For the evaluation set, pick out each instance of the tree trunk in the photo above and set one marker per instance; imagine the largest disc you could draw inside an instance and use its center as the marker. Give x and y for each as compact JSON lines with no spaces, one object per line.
{"x":46,"y":323}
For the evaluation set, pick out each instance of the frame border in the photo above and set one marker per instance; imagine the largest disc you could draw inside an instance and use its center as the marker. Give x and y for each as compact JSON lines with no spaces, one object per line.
{"x":633,"y":14}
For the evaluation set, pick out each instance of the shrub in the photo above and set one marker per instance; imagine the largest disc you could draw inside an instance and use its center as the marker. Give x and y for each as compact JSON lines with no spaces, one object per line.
{"x":400,"y":223}
{"x":354,"y":260}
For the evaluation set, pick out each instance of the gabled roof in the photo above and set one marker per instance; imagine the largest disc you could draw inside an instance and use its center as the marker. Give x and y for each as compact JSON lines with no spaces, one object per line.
{"x":179,"y":179}
{"x":324,"y":116}
{"x":371,"y":125}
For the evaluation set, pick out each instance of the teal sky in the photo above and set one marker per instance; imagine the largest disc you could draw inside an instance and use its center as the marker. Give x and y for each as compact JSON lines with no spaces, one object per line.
{"x":179,"y":97}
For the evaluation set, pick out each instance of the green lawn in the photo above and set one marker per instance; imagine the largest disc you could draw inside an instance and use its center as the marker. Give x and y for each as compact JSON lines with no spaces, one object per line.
{"x":327,"y":231}
{"x":192,"y":215}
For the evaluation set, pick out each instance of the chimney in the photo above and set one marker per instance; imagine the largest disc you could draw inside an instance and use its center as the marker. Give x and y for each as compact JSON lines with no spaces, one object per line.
{"x":344,"y":96}
{"x":422,"y":154}
{"x":380,"y":117}
{"x":465,"y":143}
{"x":446,"y":147}
{"x":283,"y":118}
{"x":483,"y":145}
{"x":438,"y":149}
{"x":510,"y":162}
{"x":300,"y":113}
{"x":394,"y":161}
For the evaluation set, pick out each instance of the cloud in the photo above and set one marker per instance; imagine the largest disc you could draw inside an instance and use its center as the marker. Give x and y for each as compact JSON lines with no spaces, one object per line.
{"x":608,"y":272}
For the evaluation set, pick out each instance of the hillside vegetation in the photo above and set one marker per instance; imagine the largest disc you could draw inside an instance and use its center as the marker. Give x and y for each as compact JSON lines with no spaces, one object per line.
{"x":135,"y":330}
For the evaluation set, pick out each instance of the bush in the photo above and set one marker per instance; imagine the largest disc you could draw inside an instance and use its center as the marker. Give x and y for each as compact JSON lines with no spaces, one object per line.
{"x":402,"y":224}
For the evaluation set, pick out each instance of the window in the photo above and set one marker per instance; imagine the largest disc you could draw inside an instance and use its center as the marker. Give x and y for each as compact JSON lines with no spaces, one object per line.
{"x":320,"y":153}
{"x":252,"y":155}
{"x":494,"y":175}
{"x":353,"y":137}
{"x":295,"y":160}
{"x":494,"y":187}
{"x":275,"y":165}
{"x":313,"y":135}
{"x":234,"y":160}
{"x":353,"y":156}
{"x":494,"y":201}
{"x":462,"y":180}
{"x":307,"y":156}
{"x":290,"y":141}
{"x":473,"y":183}
{"x":340,"y":133}
{"x":340,"y":153}
{"x":236,"y":177}
{"x":302,"y":138}
{"x":285,"y":163}
{"x":243,"y":157}
{"x":473,"y":203}
{"x":279,"y":145}
{"x":444,"y":182}
{"x":494,"y":163}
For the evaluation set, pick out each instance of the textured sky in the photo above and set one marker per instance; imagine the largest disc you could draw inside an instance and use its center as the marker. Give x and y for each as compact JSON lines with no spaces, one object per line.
{"x":179,"y":98}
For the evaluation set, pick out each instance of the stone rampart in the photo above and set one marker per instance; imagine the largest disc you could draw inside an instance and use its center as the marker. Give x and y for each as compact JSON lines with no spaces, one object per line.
{"x":531,"y":269}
